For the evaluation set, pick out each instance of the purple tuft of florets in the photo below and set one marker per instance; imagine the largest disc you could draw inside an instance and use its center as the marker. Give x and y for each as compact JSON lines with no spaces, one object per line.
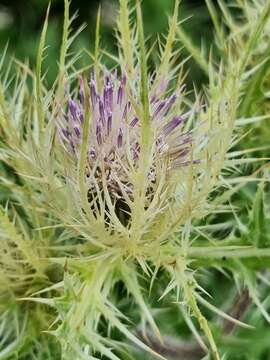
{"x":115,"y":127}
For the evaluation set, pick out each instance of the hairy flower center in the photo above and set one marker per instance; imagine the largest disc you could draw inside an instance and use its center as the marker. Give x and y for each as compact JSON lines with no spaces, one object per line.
{"x":115,"y":135}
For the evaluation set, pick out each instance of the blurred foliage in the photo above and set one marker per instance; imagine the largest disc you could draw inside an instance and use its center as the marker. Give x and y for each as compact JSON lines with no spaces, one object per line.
{"x":21,"y":23}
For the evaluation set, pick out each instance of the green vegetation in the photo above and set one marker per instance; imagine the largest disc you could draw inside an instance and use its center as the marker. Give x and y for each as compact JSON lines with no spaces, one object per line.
{"x":134,"y":181}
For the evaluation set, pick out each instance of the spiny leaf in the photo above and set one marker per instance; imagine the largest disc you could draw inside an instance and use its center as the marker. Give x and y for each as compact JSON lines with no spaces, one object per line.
{"x":39,"y":96}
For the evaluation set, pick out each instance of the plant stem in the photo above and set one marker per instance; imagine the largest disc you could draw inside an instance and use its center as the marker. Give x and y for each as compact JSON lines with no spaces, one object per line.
{"x":219,"y":253}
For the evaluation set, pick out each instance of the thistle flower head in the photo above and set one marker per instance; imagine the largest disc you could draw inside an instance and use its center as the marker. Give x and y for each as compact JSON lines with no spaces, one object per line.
{"x":141,"y":158}
{"x":114,"y":139}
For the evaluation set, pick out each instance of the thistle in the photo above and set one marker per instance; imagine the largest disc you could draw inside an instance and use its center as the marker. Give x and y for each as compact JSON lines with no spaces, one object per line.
{"x":114,"y":148}
{"x":117,"y":168}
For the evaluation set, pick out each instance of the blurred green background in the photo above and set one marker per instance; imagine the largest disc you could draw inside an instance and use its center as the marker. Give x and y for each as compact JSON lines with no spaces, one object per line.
{"x":21,"y":23}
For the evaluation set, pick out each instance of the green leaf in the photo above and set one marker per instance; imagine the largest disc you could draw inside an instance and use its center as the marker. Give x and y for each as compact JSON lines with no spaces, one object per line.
{"x":259,"y":223}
